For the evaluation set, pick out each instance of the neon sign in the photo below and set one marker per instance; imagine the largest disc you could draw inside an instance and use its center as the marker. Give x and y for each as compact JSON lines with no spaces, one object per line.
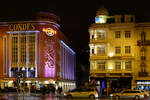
{"x":49,"y":31}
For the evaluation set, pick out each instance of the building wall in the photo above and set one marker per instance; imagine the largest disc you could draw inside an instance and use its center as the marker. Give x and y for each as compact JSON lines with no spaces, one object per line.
{"x":46,"y":51}
{"x":106,"y":62}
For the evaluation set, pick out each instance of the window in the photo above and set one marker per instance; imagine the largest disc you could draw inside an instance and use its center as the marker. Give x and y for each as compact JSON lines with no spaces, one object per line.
{"x":128,"y":65}
{"x":101,"y":50}
{"x":92,"y":65}
{"x":126,"y":91}
{"x":118,"y":65}
{"x":92,"y":50}
{"x":118,"y":50}
{"x":127,"y":34}
{"x":127,"y":49}
{"x":117,"y":34}
{"x":101,"y":34}
{"x":92,"y":36}
{"x":5,"y":55}
{"x":101,"y":65}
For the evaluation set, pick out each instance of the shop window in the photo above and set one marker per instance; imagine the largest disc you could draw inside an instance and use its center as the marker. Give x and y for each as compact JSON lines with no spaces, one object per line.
{"x":31,"y":73}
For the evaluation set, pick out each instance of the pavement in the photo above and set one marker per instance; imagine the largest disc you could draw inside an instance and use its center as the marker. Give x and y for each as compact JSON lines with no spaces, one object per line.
{"x":9,"y":94}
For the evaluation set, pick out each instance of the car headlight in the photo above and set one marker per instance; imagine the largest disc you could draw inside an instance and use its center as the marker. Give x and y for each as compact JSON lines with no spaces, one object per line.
{"x":96,"y":95}
{"x":65,"y":93}
{"x":111,"y":95}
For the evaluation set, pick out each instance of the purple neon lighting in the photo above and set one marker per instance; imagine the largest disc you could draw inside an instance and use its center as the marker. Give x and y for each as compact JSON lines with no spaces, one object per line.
{"x":49,"y":69}
{"x":50,"y":59}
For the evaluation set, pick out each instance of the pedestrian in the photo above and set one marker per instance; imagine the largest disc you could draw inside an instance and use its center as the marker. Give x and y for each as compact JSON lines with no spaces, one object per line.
{"x":43,"y":90}
{"x":59,"y":90}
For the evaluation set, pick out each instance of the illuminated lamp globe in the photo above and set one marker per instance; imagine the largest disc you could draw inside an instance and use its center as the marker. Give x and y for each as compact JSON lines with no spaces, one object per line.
{"x":23,"y":68}
{"x":111,"y":54}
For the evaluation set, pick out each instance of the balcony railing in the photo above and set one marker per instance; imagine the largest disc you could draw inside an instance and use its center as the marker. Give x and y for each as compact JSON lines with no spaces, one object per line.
{"x":98,"y":40}
{"x":143,"y":74}
{"x":143,"y":43}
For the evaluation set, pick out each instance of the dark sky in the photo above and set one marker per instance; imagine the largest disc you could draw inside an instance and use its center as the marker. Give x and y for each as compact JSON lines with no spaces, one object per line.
{"x":76,"y":15}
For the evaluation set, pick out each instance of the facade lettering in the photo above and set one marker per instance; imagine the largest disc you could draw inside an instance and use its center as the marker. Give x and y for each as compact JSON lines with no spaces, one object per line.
{"x":21,"y":27}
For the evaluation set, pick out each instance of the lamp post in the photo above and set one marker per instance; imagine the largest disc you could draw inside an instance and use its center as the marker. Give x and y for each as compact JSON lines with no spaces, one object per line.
{"x":24,"y":78}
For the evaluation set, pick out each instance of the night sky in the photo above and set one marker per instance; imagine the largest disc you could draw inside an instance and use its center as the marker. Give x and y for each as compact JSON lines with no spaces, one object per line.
{"x":75,"y":16}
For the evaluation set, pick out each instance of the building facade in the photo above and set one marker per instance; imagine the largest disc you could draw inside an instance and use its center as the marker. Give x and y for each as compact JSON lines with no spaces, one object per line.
{"x":119,"y":51}
{"x":37,"y":52}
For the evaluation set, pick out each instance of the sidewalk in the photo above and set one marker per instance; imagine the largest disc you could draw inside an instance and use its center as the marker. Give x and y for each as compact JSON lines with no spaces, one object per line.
{"x":29,"y":94}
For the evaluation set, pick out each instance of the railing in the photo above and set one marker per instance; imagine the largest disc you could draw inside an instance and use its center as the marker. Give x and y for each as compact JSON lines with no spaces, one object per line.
{"x":102,"y":40}
{"x":143,"y":74}
{"x":143,"y":43}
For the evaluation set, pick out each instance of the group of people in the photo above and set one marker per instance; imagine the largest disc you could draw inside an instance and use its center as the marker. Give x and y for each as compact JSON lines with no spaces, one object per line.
{"x":52,"y":90}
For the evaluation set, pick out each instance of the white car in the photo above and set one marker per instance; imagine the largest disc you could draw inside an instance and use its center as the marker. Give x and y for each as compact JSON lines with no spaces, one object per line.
{"x":82,"y":92}
{"x":128,"y":94}
{"x":146,"y":93}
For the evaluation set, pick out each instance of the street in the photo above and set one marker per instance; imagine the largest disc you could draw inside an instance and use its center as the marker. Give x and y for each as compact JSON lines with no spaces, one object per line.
{"x":15,"y":96}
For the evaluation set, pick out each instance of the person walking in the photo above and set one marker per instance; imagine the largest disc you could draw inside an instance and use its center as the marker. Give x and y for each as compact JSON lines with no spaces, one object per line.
{"x":43,"y":90}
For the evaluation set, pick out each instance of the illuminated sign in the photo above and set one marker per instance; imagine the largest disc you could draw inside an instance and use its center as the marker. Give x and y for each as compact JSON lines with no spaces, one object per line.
{"x":145,"y":82}
{"x":21,"y":27}
{"x":49,"y":31}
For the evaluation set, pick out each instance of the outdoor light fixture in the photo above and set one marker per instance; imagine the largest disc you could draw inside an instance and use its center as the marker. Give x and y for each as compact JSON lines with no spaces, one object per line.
{"x":23,"y":68}
{"x":46,"y":82}
{"x":110,"y":67}
{"x":32,"y":68}
{"x":111,"y":54}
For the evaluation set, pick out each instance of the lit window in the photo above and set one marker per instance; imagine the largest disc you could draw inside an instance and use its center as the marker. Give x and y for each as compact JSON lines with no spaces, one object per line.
{"x":101,"y":50}
{"x":101,"y":65}
{"x":5,"y":55}
{"x":92,"y":65}
{"x":118,"y":50}
{"x":100,"y":34}
{"x":117,"y":34}
{"x":127,"y":34}
{"x":128,"y":65}
{"x":118,"y":65}
{"x":127,"y":49}
{"x":100,"y":19}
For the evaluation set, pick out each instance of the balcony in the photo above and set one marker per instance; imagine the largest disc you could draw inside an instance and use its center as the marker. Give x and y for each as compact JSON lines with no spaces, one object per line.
{"x":98,"y":40}
{"x":143,"y":57}
{"x":143,"y":43}
{"x":143,"y":74}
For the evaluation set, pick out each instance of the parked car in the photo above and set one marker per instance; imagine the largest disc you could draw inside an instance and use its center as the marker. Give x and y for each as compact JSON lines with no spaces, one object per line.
{"x":128,"y":94}
{"x":82,"y":92}
{"x":146,"y":93}
{"x":11,"y":89}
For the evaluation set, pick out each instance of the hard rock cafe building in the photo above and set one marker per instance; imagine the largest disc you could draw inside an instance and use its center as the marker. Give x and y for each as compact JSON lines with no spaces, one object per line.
{"x":38,"y":51}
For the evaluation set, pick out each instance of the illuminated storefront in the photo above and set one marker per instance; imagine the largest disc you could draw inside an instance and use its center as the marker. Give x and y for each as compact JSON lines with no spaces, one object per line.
{"x":36,"y":51}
